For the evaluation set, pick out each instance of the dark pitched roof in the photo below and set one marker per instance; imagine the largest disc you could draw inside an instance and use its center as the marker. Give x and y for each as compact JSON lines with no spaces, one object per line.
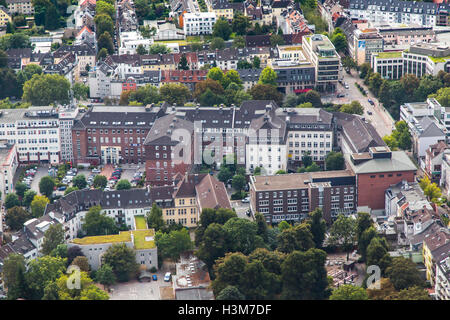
{"x":163,"y":128}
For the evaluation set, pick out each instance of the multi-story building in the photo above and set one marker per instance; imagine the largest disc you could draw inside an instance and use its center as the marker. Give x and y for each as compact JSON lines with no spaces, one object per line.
{"x":187,"y":77}
{"x":435,"y":248}
{"x":321,"y":52}
{"x":24,"y":7}
{"x":224,"y":8}
{"x":141,"y":241}
{"x":365,"y":43}
{"x":293,"y":196}
{"x":397,"y":11}
{"x":425,"y":129}
{"x":400,"y":35}
{"x":85,"y":58}
{"x":105,"y":135}
{"x":426,"y":58}
{"x":34,"y":131}
{"x":8,"y":166}
{"x":376,"y":171}
{"x":433,"y":160}
{"x":403,"y":199}
{"x":442,"y":287}
{"x":310,"y":130}
{"x":168,"y":149}
{"x":388,"y":64}
{"x":198,"y":23}
{"x":66,"y":120}
{"x":266,"y":144}
{"x":5,"y":16}
{"x":249,"y":77}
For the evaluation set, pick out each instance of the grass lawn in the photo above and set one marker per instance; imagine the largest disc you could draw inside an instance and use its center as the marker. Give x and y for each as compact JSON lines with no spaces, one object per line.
{"x":180,"y":42}
{"x":140,"y":222}
{"x":113,"y":238}
{"x":144,"y":239}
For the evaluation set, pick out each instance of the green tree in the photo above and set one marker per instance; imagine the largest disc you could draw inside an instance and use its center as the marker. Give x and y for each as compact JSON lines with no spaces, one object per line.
{"x":339,"y":41}
{"x":433,"y":192}
{"x":305,"y":105}
{"x":93,"y":293}
{"x":349,"y":292}
{"x":266,"y":92}
{"x":3,"y":59}
{"x":230,"y":293}
{"x":209,"y":216}
{"x":410,"y":83}
{"x":335,"y":161}
{"x":122,"y":260}
{"x":80,"y":91}
{"x":318,"y":227}
{"x":377,"y":253}
{"x":100,"y":181}
{"x":404,"y":274}
{"x":72,"y":253}
{"x":224,"y":174}
{"x":52,"y":18}
{"x":183,"y":65}
{"x":296,"y":238}
{"x":261,"y":225}
{"x":244,"y":64}
{"x":158,"y":48}
{"x":343,"y":233}
{"x":307,"y":159}
{"x":79,"y":181}
{"x":442,"y":96}
{"x":41,"y":272}
{"x":256,"y":62}
{"x":268,"y":76}
{"x":13,"y":271}
{"x":243,"y":235}
{"x":214,"y":244}
{"x":81,"y":262}
{"x":103,"y":7}
{"x":16,"y":217}
{"x":238,"y":182}
{"x":69,"y":190}
{"x":123,"y":184}
{"x":53,"y":237}
{"x":8,"y":83}
{"x":11,"y":200}
{"x":171,"y":244}
{"x":154,"y":218}
{"x":304,"y":275}
{"x":38,"y":205}
{"x":175,"y":93}
{"x":222,"y":29}
{"x":96,"y":223}
{"x":228,"y":271}
{"x":21,"y":187}
{"x":46,"y":186}
{"x":313,"y":97}
{"x":240,"y":24}
{"x":105,"y":275}
{"x":102,"y":54}
{"x":42,"y":90}
{"x":105,"y":41}
{"x":276,"y":40}
{"x":352,"y":108}
{"x":146,"y":94}
{"x":60,"y":251}
{"x":364,"y":69}
{"x":239,"y":42}
{"x":217,"y":44}
{"x":375,"y":82}
{"x":411,"y":293}
{"x":103,"y":23}
{"x":28,"y":197}
{"x":314,"y":167}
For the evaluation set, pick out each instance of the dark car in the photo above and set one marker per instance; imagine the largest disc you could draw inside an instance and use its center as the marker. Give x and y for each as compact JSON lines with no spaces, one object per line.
{"x":62,"y":188}
{"x":340,"y":95}
{"x":371,"y":102}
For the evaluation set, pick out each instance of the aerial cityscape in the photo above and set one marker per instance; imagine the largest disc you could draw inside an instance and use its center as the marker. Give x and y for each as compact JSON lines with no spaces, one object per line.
{"x":224,"y":150}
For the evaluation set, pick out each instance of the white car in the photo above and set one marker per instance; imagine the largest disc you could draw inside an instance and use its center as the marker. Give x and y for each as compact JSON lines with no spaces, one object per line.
{"x":246,"y":200}
{"x":167,"y":277}
{"x":95,"y":170}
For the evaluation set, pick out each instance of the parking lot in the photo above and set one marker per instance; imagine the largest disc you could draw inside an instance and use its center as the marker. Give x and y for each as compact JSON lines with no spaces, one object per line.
{"x":135,"y":290}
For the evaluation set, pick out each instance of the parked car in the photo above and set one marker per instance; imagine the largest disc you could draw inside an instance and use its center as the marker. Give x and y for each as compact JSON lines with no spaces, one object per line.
{"x":62,"y":188}
{"x":369,"y":113}
{"x":371,"y":102}
{"x":95,"y":170}
{"x":340,"y":95}
{"x":154,"y":277}
{"x":167,"y":277}
{"x":249,"y":213}
{"x":246,"y":200}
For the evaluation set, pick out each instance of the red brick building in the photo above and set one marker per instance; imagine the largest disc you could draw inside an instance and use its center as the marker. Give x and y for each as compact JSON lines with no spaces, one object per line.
{"x":113,"y":134}
{"x":376,"y":171}
{"x":168,"y":150}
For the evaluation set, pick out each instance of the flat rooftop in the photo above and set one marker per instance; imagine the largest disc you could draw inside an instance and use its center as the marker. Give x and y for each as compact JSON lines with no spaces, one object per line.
{"x":294,"y":180}
{"x":143,"y":239}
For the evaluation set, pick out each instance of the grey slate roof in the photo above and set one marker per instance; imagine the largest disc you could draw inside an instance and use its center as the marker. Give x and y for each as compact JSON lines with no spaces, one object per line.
{"x":398,"y":162}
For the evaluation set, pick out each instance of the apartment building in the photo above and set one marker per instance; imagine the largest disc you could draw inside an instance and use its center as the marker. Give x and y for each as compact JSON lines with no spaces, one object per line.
{"x":5,"y":16}
{"x":8,"y":165}
{"x":321,"y":52}
{"x":400,"y":34}
{"x":292,"y":196}
{"x":24,"y":7}
{"x":198,"y":23}
{"x":105,"y":135}
{"x":224,"y":8}
{"x":442,"y":287}
{"x":434,"y":158}
{"x":310,"y":130}
{"x":405,"y":199}
{"x":85,"y":56}
{"x":435,"y":249}
{"x":396,"y":11}
{"x":34,"y":132}
{"x":266,"y":144}
{"x":365,"y":43}
{"x":168,"y":149}
{"x":375,"y":171}
{"x":187,"y":77}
